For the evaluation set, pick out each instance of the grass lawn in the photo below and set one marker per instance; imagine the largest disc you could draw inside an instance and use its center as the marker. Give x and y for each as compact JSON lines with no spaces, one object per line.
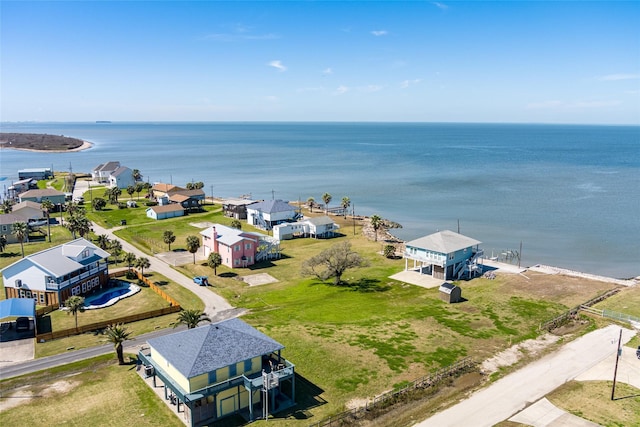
{"x":95,"y":392}
{"x":592,"y":400}
{"x":626,"y":301}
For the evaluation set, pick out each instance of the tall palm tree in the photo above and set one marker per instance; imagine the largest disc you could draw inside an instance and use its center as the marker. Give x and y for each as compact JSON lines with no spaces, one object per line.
{"x":168,"y":237}
{"x":47,"y":208}
{"x":7,"y":206}
{"x":376,"y":223}
{"x":345,"y":203}
{"x":193,"y":244}
{"x":115,"y":247}
{"x":78,"y":223}
{"x":118,"y":334}
{"x":142,"y":263}
{"x":21,"y":230}
{"x":326,"y":198}
{"x":191,"y":318}
{"x":214,"y":261}
{"x":103,"y":241}
{"x":74,"y":305}
{"x":137,"y":176}
{"x":130,"y":259}
{"x":311,"y":202}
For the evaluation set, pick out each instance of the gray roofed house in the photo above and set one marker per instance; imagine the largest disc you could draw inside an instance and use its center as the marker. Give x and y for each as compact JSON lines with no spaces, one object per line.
{"x":122,"y":177}
{"x":220,"y":369}
{"x":53,"y":275}
{"x":39,"y":195}
{"x":444,"y":255}
{"x":268,"y":213}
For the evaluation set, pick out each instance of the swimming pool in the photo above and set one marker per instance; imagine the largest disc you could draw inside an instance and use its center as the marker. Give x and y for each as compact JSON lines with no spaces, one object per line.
{"x":111,"y":296}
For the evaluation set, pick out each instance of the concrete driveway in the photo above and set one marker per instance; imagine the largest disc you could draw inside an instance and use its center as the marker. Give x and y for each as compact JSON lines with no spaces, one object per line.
{"x":531,"y":383}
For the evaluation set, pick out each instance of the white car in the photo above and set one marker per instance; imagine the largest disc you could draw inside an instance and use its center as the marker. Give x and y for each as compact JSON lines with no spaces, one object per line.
{"x":78,"y":199}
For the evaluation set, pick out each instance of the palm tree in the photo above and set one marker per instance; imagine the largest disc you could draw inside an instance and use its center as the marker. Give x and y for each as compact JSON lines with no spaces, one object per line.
{"x":311,"y":202}
{"x":103,"y":241}
{"x":130,"y":259}
{"x":376,"y":223}
{"x":7,"y":206}
{"x":191,"y":318}
{"x":214,"y":261}
{"x":326,"y":198}
{"x":130,"y":190}
{"x":117,"y":334}
{"x":193,"y":244}
{"x":47,"y":208}
{"x":21,"y":230}
{"x":139,"y":188}
{"x":142,"y":263}
{"x":168,"y":237}
{"x":115,"y":247}
{"x":3,"y":242}
{"x":345,"y":203}
{"x":137,"y":176}
{"x":74,"y":305}
{"x":78,"y":223}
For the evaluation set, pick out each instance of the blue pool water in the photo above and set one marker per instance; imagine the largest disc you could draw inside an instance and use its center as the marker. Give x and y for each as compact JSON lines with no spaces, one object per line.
{"x":106,"y":297}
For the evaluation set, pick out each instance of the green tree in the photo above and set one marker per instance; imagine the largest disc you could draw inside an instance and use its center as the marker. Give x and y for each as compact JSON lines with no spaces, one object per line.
{"x":193,"y":244}
{"x":191,"y":318}
{"x":21,"y":231}
{"x":326,"y":198}
{"x":137,"y":176}
{"x":3,"y":242}
{"x":75,"y":305}
{"x":103,"y":241}
{"x":139,"y":188}
{"x":376,"y":223}
{"x":130,"y":190}
{"x":47,"y":208}
{"x":389,"y":251}
{"x":214,"y":261}
{"x":78,"y":223}
{"x":311,"y":202}
{"x":237,"y":224}
{"x":7,"y":206}
{"x":168,"y":237}
{"x":117,"y":335}
{"x":115,"y":248}
{"x":345,"y":203}
{"x":142,"y":263}
{"x":99,"y":203}
{"x":333,"y":262}
{"x":130,"y":259}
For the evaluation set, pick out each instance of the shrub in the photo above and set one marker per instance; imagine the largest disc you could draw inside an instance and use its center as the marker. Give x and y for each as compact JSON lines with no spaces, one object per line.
{"x":389,"y":251}
{"x":151,"y":203}
{"x":122,"y":205}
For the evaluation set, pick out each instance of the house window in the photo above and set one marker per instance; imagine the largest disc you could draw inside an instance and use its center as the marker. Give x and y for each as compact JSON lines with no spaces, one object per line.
{"x":233,"y":370}
{"x":247,"y":246}
{"x":247,"y":365}
{"x":236,"y":248}
{"x":85,"y":253}
{"x":212,"y":377}
{"x":451,"y":255}
{"x":236,"y":262}
{"x":42,"y":298}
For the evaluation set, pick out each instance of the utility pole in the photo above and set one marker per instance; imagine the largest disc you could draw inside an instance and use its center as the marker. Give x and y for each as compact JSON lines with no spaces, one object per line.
{"x":615,"y":372}
{"x":353,"y":207}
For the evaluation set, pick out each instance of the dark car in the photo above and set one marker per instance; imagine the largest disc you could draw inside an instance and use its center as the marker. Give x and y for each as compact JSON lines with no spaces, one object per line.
{"x":22,"y":324}
{"x":638,"y":352}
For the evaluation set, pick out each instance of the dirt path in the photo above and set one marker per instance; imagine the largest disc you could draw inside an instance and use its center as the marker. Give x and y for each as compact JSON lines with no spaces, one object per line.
{"x":514,"y":392}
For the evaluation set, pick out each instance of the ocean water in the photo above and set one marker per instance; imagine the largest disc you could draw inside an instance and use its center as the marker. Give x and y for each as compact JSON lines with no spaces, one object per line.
{"x":569,"y":193}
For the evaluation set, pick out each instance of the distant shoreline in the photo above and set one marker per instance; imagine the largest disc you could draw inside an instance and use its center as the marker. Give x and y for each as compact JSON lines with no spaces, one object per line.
{"x":85,"y":146}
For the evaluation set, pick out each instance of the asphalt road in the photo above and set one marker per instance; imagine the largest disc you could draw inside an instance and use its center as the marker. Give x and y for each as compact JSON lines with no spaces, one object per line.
{"x":514,"y":392}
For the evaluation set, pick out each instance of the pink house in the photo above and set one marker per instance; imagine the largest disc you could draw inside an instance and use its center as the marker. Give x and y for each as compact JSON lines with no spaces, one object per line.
{"x":236,"y":247}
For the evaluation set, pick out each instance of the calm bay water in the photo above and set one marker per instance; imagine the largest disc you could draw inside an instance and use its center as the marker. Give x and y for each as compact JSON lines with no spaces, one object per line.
{"x":570,"y":194}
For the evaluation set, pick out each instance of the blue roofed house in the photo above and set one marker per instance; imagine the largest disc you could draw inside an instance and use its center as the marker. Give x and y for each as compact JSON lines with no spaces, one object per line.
{"x":268,"y":213}
{"x":444,"y":255}
{"x":220,"y":369}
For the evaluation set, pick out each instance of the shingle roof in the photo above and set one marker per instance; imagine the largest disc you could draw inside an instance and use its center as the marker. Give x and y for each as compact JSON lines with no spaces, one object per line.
{"x":121,"y":170}
{"x":171,"y":207}
{"x":57,"y":262}
{"x":444,"y":242}
{"x":10,"y":219}
{"x":42,"y":192}
{"x":319,"y":220}
{"x":27,"y":204}
{"x":272,"y":206}
{"x":227,"y":235}
{"x":206,"y":348}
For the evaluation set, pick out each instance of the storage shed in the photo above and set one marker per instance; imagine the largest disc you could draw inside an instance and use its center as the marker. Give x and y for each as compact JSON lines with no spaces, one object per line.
{"x":450,"y":293}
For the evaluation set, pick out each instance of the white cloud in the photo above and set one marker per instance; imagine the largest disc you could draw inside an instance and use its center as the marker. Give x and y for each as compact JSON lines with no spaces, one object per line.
{"x":277,"y":64}
{"x":405,"y":84}
{"x":379,"y":33}
{"x":440,"y":6}
{"x":341,"y":90}
{"x":327,"y":71}
{"x":615,"y":77}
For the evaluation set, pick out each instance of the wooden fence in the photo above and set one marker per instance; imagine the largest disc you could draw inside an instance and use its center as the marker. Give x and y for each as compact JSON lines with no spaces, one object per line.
{"x":173,"y":308}
{"x":377,"y":405}
{"x":560,"y":320}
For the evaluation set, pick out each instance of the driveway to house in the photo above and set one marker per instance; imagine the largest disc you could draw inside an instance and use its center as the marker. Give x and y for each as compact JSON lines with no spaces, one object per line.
{"x":514,"y":392}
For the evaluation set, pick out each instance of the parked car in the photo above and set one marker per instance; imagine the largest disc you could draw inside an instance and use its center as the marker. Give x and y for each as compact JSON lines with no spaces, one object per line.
{"x":22,"y":324}
{"x":638,"y":352}
{"x":201,"y":280}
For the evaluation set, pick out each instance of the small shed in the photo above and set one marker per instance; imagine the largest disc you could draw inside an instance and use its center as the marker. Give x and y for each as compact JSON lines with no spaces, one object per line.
{"x":450,"y":293}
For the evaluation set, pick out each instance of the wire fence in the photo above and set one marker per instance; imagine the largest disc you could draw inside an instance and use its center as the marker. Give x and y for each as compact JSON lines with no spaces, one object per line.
{"x":563,"y":318}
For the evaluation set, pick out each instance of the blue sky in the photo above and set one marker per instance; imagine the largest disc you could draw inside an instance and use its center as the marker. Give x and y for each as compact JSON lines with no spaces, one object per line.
{"x":418,"y":61}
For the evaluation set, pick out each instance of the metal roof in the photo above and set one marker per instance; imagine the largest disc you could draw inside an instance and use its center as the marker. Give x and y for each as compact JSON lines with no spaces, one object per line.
{"x":18,"y":307}
{"x":444,"y":242}
{"x":206,"y":348}
{"x":271,"y":206}
{"x":57,"y":261}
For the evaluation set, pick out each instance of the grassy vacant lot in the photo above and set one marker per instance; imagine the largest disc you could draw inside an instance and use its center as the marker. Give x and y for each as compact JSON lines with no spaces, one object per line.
{"x":95,"y":392}
{"x":626,"y":301}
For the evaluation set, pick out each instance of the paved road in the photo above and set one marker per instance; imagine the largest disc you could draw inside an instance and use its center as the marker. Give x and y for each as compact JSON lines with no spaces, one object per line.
{"x":132,"y":346}
{"x":512,"y":393}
